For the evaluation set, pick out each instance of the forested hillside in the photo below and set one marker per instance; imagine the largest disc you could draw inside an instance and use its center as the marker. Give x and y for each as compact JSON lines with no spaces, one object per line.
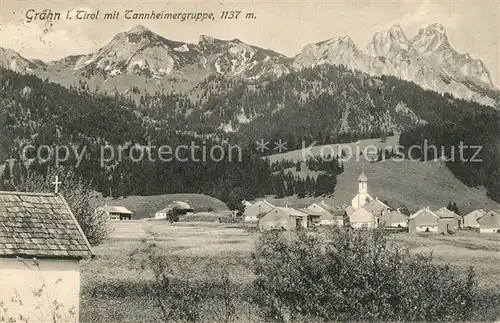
{"x":38,"y":113}
{"x":326,"y":104}
{"x":479,"y":163}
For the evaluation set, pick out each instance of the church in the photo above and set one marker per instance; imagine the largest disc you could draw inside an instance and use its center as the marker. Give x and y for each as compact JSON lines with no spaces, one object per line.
{"x":365,"y":212}
{"x":362,"y":198}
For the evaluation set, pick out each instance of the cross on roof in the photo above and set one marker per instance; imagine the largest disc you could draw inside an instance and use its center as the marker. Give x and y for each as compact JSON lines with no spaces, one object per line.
{"x":56,"y":183}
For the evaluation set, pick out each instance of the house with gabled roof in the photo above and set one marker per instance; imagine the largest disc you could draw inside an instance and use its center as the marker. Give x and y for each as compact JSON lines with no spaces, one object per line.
{"x":448,"y":220}
{"x":362,"y":219}
{"x":395,"y":219}
{"x":118,"y":212}
{"x":490,"y":222}
{"x":377,"y":207}
{"x":180,"y":207}
{"x":318,"y":212}
{"x":41,"y":246}
{"x":470,"y":220}
{"x":256,"y":210}
{"x":423,"y":220}
{"x":283,"y":218}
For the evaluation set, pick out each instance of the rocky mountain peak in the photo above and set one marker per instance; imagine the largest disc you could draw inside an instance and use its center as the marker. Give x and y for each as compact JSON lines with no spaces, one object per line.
{"x":386,"y":41}
{"x":138,"y":29}
{"x":431,"y":39}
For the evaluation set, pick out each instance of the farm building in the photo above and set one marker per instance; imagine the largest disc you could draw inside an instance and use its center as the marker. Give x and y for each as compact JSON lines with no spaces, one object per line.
{"x":182,"y":208}
{"x":395,"y":219}
{"x":448,"y":220}
{"x":259,"y":208}
{"x":423,"y":220}
{"x":41,"y":245}
{"x":377,"y":207}
{"x":490,"y":222}
{"x":362,"y":219}
{"x":118,"y":212}
{"x":334,"y":218}
{"x":283,"y":218}
{"x":246,"y":203}
{"x":362,"y":198}
{"x":349,"y":211}
{"x":470,"y":220}
{"x":318,"y":213}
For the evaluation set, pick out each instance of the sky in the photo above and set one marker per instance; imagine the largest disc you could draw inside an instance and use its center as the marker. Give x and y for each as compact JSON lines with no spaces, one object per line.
{"x":472,"y":26}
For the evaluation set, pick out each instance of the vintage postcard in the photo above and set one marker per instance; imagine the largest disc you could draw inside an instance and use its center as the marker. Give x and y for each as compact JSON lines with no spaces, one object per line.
{"x":249,"y":161}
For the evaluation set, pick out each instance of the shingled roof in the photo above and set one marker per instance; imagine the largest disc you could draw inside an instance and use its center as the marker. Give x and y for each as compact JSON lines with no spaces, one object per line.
{"x":39,"y":225}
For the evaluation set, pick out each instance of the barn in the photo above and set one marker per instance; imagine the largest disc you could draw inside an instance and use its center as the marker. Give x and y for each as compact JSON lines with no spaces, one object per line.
{"x":377,"y":207}
{"x":395,"y":219}
{"x":423,"y":220}
{"x":319,"y":213}
{"x":283,"y":218}
{"x":362,"y":219}
{"x":448,"y":220}
{"x":490,"y":222}
{"x":118,"y":212}
{"x":182,"y":208}
{"x":256,"y":210}
{"x":41,"y":246}
{"x":470,"y":220}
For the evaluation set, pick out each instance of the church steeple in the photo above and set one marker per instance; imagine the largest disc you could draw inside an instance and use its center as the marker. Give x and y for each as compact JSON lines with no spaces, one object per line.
{"x":362,"y":197}
{"x":362,"y":177}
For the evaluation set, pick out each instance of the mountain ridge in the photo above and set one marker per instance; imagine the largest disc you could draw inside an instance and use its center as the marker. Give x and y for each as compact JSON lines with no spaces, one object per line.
{"x":427,"y":59}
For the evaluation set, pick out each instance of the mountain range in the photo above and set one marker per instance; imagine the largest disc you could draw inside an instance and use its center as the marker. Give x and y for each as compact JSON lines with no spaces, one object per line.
{"x":140,"y":58}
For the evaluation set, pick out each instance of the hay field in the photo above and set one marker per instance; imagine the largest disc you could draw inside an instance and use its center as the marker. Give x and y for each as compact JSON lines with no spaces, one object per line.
{"x":114,"y":285}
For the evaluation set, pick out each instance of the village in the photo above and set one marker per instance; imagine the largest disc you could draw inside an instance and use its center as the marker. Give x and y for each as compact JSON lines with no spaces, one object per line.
{"x":365,"y":212}
{"x":41,"y":241}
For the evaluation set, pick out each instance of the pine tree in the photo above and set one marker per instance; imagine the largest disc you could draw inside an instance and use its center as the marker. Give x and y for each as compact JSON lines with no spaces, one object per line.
{"x":300,"y":188}
{"x":297,"y":166}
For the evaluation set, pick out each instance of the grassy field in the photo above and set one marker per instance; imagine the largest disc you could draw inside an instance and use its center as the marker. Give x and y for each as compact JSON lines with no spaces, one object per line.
{"x":114,"y":284}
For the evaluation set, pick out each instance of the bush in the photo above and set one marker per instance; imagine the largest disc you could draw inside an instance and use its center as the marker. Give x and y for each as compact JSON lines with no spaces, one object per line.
{"x":172,"y":216}
{"x":351,"y":275}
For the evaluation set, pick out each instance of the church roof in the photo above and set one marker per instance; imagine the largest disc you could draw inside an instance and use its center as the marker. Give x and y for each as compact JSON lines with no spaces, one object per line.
{"x":40,"y":225}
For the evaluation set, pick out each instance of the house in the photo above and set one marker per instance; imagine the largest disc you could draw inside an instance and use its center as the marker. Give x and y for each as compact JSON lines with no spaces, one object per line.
{"x":318,"y":213}
{"x":423,"y":220}
{"x":180,"y":207}
{"x":284,"y":218}
{"x":362,"y":198}
{"x":395,"y":219}
{"x":253,"y":212}
{"x":335,"y":217}
{"x":470,"y":220}
{"x":377,"y":207}
{"x":349,"y":211}
{"x":362,"y":219}
{"x":448,"y":220}
{"x":118,"y":212}
{"x":490,"y":222}
{"x":41,"y":246}
{"x":246,"y":203}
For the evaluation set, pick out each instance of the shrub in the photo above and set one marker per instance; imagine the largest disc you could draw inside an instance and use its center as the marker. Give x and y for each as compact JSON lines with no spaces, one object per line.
{"x":172,"y":216}
{"x":352,"y":275}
